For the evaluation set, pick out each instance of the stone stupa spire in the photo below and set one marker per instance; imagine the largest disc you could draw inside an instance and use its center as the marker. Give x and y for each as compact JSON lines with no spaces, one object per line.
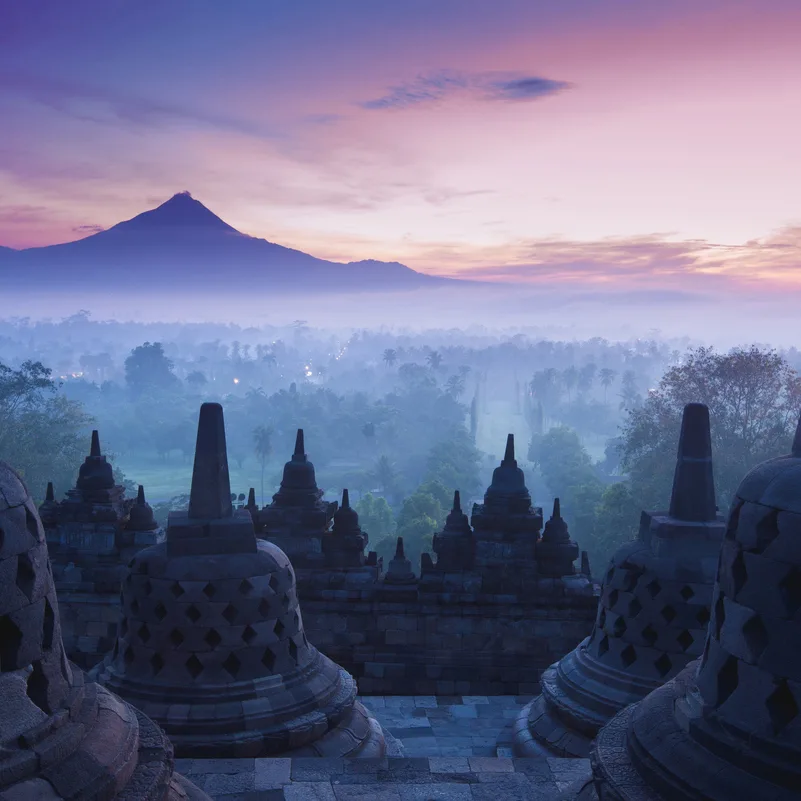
{"x":556,"y":552}
{"x":210,"y":497}
{"x":508,"y":491}
{"x":652,"y":614}
{"x":399,"y":570}
{"x":141,"y":517}
{"x":732,"y":718}
{"x":693,"y":495}
{"x":299,"y":483}
{"x":211,"y":623}
{"x":95,"y":474}
{"x":454,"y":545}
{"x":344,"y":544}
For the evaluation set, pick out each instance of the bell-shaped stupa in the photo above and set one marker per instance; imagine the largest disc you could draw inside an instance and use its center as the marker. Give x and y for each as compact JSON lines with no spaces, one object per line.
{"x":61,"y":736}
{"x":343,"y":545}
{"x":211,"y":641}
{"x":92,"y":534}
{"x":556,"y":552}
{"x":728,"y":728}
{"x":298,"y":519}
{"x":652,"y":616}
{"x":455,"y":545}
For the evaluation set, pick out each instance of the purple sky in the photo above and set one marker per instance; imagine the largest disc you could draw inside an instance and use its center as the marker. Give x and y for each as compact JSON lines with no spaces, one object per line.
{"x":616,"y":141}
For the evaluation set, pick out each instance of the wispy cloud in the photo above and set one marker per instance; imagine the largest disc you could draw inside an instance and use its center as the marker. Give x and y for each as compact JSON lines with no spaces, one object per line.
{"x":640,"y":261}
{"x":88,"y":229}
{"x":445,"y":83}
{"x":99,"y":104}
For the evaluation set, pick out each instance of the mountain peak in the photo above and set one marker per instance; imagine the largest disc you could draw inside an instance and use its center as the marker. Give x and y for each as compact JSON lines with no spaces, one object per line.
{"x":180,"y":211}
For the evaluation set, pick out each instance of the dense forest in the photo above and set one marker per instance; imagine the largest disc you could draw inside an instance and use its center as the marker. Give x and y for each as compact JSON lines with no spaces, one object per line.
{"x":400,"y":419}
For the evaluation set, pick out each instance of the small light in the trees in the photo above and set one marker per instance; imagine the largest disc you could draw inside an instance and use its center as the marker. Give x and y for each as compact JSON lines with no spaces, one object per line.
{"x":236,"y":380}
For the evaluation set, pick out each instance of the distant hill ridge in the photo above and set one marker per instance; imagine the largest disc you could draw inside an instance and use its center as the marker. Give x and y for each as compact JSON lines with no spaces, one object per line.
{"x":182,"y":243}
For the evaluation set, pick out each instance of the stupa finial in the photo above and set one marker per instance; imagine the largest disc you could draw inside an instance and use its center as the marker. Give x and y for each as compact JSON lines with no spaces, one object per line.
{"x":693,"y":496}
{"x":210,"y":497}
{"x":509,"y":455}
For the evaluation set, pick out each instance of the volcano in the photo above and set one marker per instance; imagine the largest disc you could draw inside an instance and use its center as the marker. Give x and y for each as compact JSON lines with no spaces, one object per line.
{"x":181,"y":244}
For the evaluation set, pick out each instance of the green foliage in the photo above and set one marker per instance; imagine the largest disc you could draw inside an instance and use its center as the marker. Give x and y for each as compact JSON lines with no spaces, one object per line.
{"x":375,"y":517}
{"x":454,"y":463}
{"x":263,"y":446}
{"x":561,"y":458}
{"x":570,"y":475}
{"x":176,"y":503}
{"x":420,"y":516}
{"x":42,"y":433}
{"x":617,"y":517}
{"x":753,"y":397}
{"x":147,"y":368}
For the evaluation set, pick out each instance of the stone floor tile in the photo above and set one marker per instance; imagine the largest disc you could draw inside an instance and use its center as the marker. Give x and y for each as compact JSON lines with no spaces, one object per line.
{"x":491,"y":765}
{"x":446,"y":791}
{"x":537,"y":769}
{"x":309,"y":791}
{"x":183,"y":766}
{"x":449,"y":765}
{"x":217,"y":784}
{"x":222,"y":766}
{"x":456,"y":751}
{"x":373,"y":701}
{"x":315,"y":769}
{"x":406,"y":722}
{"x":463,"y":711}
{"x":475,"y":699}
{"x":425,"y":701}
{"x":272,"y":773}
{"x":366,"y":792}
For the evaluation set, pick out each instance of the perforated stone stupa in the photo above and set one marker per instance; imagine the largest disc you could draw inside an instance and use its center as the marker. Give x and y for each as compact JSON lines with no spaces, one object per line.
{"x":92,"y":534}
{"x":652,"y":614}
{"x":62,"y":737}
{"x":211,"y":642}
{"x":728,"y":728}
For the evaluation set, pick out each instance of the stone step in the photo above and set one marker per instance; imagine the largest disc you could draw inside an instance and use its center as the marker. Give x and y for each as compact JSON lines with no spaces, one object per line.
{"x":385,"y":779}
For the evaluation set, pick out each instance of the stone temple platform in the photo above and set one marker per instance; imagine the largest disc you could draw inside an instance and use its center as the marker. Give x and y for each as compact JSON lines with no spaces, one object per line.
{"x":438,"y":749}
{"x":386,"y":778}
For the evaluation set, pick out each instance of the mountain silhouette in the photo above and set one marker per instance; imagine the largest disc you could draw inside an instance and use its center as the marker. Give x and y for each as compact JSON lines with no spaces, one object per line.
{"x":183,"y":245}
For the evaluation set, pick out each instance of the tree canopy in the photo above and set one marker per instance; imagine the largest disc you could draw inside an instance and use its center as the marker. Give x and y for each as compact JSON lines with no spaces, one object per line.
{"x":42,"y":433}
{"x":754,"y":398}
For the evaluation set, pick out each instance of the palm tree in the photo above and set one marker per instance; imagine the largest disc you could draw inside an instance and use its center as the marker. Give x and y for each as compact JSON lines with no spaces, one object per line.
{"x":434,"y":359}
{"x":606,"y":376}
{"x":263,"y":442}
{"x":454,"y":386}
{"x":586,"y":377}
{"x":390,"y":357}
{"x":569,"y":379}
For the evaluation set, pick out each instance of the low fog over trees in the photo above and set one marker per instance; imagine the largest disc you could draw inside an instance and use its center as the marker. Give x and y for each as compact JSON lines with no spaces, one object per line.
{"x":400,"y":419}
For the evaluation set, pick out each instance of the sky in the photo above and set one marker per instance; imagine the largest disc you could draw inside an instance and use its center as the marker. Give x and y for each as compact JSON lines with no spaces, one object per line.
{"x":622,"y":142}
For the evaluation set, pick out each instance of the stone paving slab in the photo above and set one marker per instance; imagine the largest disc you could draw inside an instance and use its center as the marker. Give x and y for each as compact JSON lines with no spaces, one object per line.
{"x":474,"y":778}
{"x":448,"y":726}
